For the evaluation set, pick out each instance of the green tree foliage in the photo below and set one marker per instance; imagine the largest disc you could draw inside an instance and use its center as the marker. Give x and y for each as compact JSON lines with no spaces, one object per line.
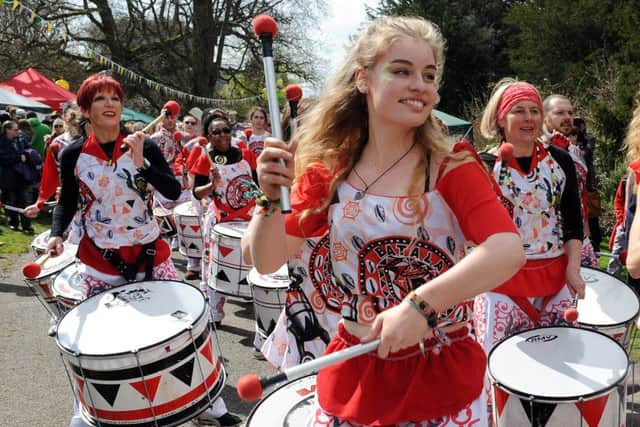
{"x":476,"y":41}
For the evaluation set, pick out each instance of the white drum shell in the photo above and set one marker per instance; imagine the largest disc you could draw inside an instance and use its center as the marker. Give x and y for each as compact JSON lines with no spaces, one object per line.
{"x":289,"y":405}
{"x":609,"y":305}
{"x":269,"y":297}
{"x":228,"y":274}
{"x":189,"y":230}
{"x":39,"y":244}
{"x":169,"y":322}
{"x":568,"y":368}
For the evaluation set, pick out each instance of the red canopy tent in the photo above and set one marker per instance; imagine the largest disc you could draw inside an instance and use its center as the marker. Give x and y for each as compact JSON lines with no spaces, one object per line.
{"x":32,"y":84}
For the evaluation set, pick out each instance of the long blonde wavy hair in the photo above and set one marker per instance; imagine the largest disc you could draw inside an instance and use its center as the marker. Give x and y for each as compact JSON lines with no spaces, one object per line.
{"x":336,"y":129}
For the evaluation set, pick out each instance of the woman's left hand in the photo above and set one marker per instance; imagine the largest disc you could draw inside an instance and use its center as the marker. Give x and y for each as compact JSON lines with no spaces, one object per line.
{"x":398,"y":328}
{"x":575,"y":282}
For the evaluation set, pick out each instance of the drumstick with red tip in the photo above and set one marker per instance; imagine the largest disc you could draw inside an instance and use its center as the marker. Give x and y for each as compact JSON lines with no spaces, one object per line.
{"x":506,"y":151}
{"x":265,"y":27}
{"x":32,"y":269}
{"x":293,"y":93}
{"x":250,"y":387}
{"x":571,"y":314}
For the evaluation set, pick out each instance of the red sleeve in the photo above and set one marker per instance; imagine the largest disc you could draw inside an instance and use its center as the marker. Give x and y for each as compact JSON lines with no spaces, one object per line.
{"x":193,"y":156}
{"x":310,"y":191}
{"x":178,"y":163}
{"x":50,"y":180}
{"x":468,"y":192}
{"x":618,"y":201}
{"x":201,"y":165}
{"x":250,"y":157}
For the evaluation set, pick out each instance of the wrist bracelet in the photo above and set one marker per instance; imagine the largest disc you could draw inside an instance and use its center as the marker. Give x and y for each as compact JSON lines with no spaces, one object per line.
{"x":423,"y":308}
{"x":268,"y":206}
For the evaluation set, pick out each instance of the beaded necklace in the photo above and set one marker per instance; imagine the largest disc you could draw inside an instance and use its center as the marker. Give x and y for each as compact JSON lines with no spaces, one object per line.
{"x":538,"y":191}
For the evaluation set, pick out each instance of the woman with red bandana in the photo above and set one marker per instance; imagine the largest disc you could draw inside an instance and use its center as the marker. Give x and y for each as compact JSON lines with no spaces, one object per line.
{"x":107,"y":182}
{"x":400,"y":204}
{"x":540,"y":181}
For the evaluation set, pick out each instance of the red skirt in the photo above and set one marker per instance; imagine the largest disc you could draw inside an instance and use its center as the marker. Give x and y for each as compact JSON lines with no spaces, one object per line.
{"x":405,"y":387}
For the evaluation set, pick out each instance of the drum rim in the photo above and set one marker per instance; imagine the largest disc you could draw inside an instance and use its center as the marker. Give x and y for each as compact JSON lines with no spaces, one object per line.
{"x":122,"y":353}
{"x":218,"y":225}
{"x":621,"y":323}
{"x":264,"y":398}
{"x":548,"y":399}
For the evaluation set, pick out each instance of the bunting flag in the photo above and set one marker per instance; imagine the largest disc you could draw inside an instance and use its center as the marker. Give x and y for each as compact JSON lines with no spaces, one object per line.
{"x":52,"y":30}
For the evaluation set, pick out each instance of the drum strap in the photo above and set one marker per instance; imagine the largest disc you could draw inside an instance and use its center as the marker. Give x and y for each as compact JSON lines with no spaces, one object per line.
{"x":129,"y":271}
{"x":528,"y":308}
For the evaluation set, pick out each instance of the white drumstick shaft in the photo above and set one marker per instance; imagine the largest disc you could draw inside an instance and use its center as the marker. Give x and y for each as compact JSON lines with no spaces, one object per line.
{"x":13,"y":208}
{"x":330,"y":359}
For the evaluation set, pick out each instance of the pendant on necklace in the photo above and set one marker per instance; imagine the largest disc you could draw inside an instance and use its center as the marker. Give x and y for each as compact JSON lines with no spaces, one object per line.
{"x":358,"y":196}
{"x":220,"y":159}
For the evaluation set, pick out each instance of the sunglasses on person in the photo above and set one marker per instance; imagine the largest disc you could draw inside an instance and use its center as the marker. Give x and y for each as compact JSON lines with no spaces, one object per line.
{"x":189,"y":122}
{"x":58,"y":126}
{"x":217,"y":132}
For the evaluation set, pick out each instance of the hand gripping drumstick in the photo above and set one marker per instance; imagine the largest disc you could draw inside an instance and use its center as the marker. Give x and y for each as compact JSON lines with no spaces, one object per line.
{"x":265,"y":28}
{"x":32,"y":269}
{"x":250,"y":387}
{"x":40,"y":206}
{"x":571,"y":314}
{"x":293,"y":93}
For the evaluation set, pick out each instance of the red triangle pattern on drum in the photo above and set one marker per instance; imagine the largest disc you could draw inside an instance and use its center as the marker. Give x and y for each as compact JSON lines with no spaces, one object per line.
{"x":195,"y":228}
{"x":182,"y":226}
{"x":151,"y":385}
{"x":207,"y":351}
{"x":80,"y":386}
{"x":592,"y":410}
{"x":224,"y":250}
{"x":47,"y":290}
{"x":501,"y":399}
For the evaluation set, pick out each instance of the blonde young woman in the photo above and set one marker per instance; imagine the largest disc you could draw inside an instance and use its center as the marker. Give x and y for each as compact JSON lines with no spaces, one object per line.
{"x":631,"y":217}
{"x":374,"y":168}
{"x":540,"y":181}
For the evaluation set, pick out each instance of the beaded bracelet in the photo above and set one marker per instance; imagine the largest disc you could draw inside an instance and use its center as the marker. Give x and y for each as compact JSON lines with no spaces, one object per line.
{"x":423,"y":308}
{"x":268,"y":206}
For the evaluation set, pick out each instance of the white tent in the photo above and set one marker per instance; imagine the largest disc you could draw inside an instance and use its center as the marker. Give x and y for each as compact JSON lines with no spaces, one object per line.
{"x":19,"y":101}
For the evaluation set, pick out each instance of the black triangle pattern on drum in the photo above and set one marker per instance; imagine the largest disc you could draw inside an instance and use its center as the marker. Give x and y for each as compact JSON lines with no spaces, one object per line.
{"x":108,"y":391}
{"x":541,"y":412}
{"x":268,"y":329}
{"x":193,"y":246}
{"x":223,"y":276}
{"x":185,"y":372}
{"x":131,"y":202}
{"x":243,"y":281}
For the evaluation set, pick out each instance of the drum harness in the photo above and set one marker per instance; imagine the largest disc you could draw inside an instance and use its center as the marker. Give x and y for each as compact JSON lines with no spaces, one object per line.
{"x":129,"y":271}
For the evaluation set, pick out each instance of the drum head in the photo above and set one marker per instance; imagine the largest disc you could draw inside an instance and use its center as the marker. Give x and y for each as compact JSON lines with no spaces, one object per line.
{"x":55,"y":264}
{"x":185,"y":209}
{"x":608,"y":301}
{"x":558,"y":364}
{"x":130,"y":317}
{"x":287,"y":406}
{"x":41,"y":240}
{"x":68,"y":283}
{"x":277,"y":280}
{"x":231,"y":229}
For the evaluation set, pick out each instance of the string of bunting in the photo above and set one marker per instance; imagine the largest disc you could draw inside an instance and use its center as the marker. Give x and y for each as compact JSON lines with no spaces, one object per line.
{"x":51,"y":29}
{"x":165,"y":90}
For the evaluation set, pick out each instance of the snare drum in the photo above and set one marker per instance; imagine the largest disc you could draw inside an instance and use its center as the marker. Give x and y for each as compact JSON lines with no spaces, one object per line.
{"x":269,"y":297}
{"x":289,"y":405}
{"x":39,"y":244}
{"x":609,"y":305}
{"x":165,"y":220}
{"x":142,"y":354}
{"x":558,"y":377}
{"x":42,"y":285}
{"x":67,"y":287}
{"x":228,"y":274}
{"x":188,"y":226}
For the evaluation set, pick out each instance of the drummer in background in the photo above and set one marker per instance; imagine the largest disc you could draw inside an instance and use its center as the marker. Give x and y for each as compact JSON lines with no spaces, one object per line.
{"x":218,"y":175}
{"x":74,"y":129}
{"x":259,"y":132}
{"x":400,"y":202}
{"x":540,"y":182}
